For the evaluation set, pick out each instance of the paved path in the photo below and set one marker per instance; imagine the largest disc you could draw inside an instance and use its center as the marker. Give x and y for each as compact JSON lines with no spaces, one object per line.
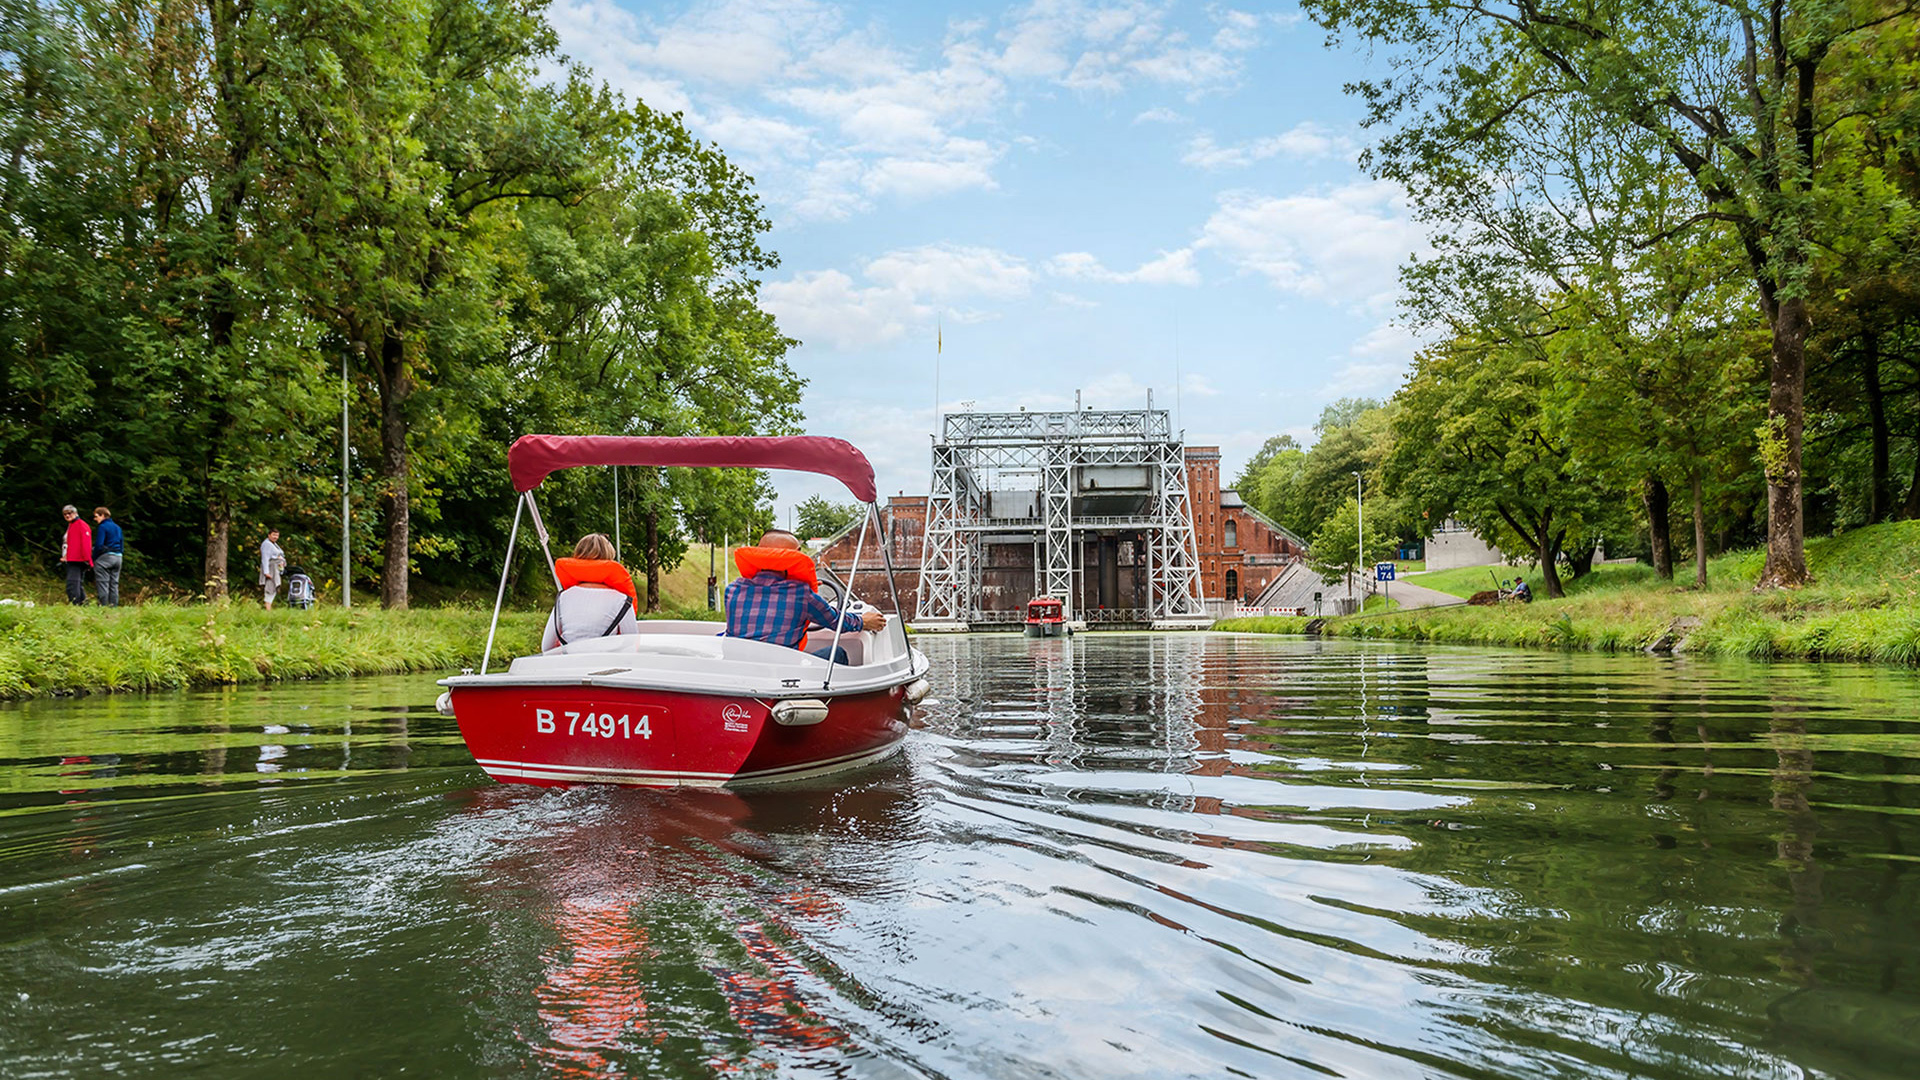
{"x":1410,"y":595}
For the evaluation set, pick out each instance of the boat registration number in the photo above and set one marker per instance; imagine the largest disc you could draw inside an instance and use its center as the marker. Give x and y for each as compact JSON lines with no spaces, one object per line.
{"x":592,"y":724}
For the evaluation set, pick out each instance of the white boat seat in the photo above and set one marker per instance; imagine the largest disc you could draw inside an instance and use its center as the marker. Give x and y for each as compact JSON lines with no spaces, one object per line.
{"x":650,"y":644}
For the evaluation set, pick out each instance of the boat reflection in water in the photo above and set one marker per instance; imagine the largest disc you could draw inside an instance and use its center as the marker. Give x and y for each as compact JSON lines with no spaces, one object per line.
{"x":676,"y":941}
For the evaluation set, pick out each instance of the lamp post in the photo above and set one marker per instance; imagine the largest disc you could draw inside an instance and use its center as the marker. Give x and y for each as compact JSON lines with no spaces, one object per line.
{"x":1359,"y":524}
{"x":346,"y":504}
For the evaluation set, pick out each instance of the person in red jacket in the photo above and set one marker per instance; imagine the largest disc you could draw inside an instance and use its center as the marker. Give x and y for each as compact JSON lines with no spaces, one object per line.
{"x":79,"y":555}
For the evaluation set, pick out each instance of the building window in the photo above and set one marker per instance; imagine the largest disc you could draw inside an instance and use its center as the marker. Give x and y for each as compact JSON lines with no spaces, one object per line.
{"x":1233,"y":585}
{"x":1233,"y":534}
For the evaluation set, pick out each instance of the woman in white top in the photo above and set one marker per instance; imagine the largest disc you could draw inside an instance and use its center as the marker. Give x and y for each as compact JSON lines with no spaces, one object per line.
{"x":596,"y":595}
{"x":273,"y":563}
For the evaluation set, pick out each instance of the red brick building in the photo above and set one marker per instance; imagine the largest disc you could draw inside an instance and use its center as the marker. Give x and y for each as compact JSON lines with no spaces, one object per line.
{"x":1240,"y":549}
{"x":905,"y":520}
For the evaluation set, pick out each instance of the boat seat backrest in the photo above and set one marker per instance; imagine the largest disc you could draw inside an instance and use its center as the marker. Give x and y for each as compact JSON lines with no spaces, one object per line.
{"x":854,"y":643}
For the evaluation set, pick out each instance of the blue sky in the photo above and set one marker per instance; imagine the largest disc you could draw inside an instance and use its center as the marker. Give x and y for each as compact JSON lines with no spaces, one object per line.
{"x":1079,"y":195}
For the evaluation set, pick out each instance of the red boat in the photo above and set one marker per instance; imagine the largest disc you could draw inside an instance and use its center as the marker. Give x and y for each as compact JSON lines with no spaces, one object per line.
{"x":1046,"y":617}
{"x":680,"y":704}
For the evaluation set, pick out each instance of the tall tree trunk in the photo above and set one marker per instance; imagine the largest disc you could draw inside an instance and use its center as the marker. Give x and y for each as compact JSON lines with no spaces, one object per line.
{"x":1547,"y":546}
{"x":1580,"y":560}
{"x":1878,"y":486}
{"x":219,"y":533}
{"x":229,"y":195}
{"x":1653,"y":492}
{"x":1699,"y":535}
{"x":396,"y":470}
{"x":1910,"y":507}
{"x":1780,"y":447}
{"x":653,"y":558}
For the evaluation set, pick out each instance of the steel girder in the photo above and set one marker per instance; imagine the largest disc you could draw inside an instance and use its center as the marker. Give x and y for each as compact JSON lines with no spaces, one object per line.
{"x":981,"y":452}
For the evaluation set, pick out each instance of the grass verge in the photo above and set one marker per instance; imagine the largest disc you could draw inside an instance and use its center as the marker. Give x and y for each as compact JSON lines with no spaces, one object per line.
{"x":56,"y":649}
{"x":1864,"y":605}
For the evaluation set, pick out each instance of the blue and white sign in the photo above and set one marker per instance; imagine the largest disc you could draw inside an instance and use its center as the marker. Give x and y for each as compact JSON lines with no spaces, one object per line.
{"x":1383,"y":571}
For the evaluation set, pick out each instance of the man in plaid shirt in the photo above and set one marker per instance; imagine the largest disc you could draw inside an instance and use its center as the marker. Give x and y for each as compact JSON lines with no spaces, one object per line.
{"x":770,"y":606}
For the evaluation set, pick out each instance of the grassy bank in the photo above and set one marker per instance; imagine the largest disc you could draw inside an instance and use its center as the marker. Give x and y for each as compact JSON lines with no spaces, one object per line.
{"x":59,"y":649}
{"x":1864,"y":604}
{"x":56,"y":649}
{"x":170,"y":642}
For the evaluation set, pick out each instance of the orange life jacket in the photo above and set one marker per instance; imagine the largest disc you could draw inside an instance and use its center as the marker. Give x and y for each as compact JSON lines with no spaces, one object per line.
{"x":606,"y":572}
{"x":797,"y":565}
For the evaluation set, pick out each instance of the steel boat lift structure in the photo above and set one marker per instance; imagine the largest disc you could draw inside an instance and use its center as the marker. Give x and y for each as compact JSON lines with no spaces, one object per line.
{"x":677,"y":704}
{"x":1063,"y":484}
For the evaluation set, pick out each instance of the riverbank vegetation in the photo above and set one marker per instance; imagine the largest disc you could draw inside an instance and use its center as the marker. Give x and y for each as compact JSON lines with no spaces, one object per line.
{"x":1864,"y":605}
{"x":1673,"y":292}
{"x":164,"y":646}
{"x":222,"y":224}
{"x":161,"y":646}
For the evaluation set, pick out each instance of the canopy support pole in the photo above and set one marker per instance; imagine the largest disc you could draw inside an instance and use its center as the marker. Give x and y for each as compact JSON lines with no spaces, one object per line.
{"x":845,"y":601}
{"x":500,"y":597}
{"x":893,"y":587}
{"x":540,"y":527}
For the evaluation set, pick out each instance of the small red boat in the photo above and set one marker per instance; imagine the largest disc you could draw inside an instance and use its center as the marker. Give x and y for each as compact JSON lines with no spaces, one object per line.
{"x":679,"y":703}
{"x":1046,"y":617}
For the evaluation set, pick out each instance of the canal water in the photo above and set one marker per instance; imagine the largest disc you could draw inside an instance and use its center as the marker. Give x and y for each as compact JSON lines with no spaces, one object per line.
{"x":1115,"y":856}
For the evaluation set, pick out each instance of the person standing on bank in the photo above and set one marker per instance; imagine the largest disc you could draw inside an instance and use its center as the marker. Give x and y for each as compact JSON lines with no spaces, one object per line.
{"x":79,"y":555}
{"x":273,"y":564}
{"x":109,"y":548}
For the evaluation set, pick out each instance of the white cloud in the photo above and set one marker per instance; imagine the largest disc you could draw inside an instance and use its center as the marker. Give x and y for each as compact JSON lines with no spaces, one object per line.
{"x":825,"y":307}
{"x":1343,"y":246}
{"x":947,"y":273}
{"x":1159,"y":115}
{"x":1197,"y":385}
{"x":905,"y":290}
{"x":959,"y":165}
{"x":1170,"y":268}
{"x":1305,"y":141}
{"x":1375,"y":364}
{"x":830,"y":117}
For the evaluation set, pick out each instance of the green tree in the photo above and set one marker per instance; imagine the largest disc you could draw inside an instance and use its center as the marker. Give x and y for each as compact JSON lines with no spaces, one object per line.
{"x":1731,"y":92}
{"x":1473,"y":442}
{"x":819,"y":517}
{"x":1338,"y":548}
{"x":632,"y":319}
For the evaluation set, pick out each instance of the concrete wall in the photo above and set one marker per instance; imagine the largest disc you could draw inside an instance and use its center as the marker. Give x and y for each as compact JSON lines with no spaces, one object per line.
{"x":1449,"y":549}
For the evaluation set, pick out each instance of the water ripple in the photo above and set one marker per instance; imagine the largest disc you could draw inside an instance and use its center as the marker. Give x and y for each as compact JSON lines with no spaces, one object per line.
{"x":1113,"y":856}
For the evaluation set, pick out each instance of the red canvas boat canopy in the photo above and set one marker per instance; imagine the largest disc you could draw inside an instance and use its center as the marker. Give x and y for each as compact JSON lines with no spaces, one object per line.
{"x":533,"y":457}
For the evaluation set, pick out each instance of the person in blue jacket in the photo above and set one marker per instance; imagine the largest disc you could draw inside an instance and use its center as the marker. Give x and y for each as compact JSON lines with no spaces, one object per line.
{"x":109,"y":549}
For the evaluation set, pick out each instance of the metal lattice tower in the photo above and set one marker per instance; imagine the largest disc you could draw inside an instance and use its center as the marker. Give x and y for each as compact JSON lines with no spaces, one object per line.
{"x":1175,"y":579}
{"x":946,"y":557}
{"x":1061,"y":482}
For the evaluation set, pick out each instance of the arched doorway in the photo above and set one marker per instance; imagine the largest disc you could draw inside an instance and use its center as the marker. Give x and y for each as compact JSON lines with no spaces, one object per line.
{"x":1233,"y":584}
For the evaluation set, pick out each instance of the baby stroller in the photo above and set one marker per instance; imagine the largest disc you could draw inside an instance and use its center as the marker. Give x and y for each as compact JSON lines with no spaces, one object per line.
{"x":299,"y":588}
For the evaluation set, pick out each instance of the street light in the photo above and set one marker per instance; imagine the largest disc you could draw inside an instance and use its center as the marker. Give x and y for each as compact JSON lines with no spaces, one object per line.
{"x":1359,"y":523}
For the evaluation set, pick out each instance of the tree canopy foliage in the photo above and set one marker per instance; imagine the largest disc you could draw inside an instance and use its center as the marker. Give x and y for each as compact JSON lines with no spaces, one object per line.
{"x":218,"y":220}
{"x":1676,"y":249}
{"x":1549,"y":142}
{"x":821,"y":517}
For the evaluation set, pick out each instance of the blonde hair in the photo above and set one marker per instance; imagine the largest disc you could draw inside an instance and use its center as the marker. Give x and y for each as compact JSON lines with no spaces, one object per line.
{"x":595,"y":546}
